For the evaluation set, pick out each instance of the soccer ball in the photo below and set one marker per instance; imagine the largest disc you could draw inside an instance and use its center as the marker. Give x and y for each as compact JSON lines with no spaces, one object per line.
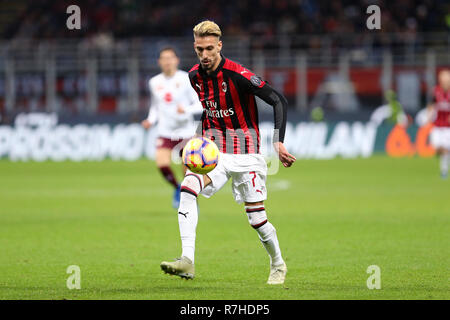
{"x":200,"y":155}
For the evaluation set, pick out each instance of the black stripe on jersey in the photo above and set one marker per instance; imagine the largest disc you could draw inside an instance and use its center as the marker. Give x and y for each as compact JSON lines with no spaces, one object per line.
{"x":245,"y":111}
{"x":229,"y":147}
{"x":223,"y":126}
{"x":219,"y":140}
{"x":256,"y":121}
{"x":248,"y":119}
{"x":243,"y":102}
{"x":234,"y":118}
{"x":203,"y":124}
{"x":205,"y":119}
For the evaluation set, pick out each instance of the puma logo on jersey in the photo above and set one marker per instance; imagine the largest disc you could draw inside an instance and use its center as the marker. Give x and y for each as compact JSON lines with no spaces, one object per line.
{"x":199,"y":86}
{"x":183,"y":214}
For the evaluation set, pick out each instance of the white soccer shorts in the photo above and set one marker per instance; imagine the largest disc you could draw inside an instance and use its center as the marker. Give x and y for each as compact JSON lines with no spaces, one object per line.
{"x":248,"y":174}
{"x":440,"y":137}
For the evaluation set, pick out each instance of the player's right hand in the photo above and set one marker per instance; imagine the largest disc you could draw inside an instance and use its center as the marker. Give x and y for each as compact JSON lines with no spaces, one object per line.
{"x":146,"y":124}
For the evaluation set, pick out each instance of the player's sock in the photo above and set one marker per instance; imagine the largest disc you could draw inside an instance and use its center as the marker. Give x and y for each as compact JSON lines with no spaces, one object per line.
{"x":445,"y":158}
{"x":266,"y":231}
{"x":169,"y":176}
{"x":188,"y":213}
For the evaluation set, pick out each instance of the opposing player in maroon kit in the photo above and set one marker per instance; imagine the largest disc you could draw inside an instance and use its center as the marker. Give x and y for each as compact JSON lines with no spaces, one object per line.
{"x":173,"y":105}
{"x":440,"y":108}
{"x":227,"y":92}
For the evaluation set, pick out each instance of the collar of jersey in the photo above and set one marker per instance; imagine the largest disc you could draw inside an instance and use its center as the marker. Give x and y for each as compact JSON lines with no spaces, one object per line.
{"x":215,"y":72}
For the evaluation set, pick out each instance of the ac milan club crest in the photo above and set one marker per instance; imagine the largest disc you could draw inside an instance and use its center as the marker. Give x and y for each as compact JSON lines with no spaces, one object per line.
{"x":224,"y":86}
{"x":255,"y":80}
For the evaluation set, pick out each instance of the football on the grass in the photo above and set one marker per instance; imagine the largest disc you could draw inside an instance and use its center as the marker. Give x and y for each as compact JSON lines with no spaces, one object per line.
{"x":200,"y":155}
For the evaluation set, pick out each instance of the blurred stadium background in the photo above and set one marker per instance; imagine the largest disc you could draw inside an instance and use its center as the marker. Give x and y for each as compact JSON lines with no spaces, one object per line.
{"x":81,"y":94}
{"x":320,"y":55}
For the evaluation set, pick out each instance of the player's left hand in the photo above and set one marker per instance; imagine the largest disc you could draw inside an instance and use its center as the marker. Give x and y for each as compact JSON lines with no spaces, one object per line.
{"x":285,"y":157}
{"x":146,"y":124}
{"x":180,"y":109}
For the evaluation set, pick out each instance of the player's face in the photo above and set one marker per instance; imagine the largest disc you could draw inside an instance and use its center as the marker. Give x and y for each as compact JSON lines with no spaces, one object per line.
{"x":444,"y":79}
{"x":168,"y":62}
{"x":208,"y":51}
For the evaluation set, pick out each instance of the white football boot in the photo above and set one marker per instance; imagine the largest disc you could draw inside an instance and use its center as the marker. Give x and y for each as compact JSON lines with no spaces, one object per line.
{"x":277,"y":274}
{"x":182,"y":267}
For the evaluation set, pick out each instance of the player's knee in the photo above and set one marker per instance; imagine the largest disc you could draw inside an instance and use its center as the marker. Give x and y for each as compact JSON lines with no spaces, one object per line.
{"x":163,"y":158}
{"x":257,"y":216}
{"x":162,"y":163}
{"x":192,"y":183}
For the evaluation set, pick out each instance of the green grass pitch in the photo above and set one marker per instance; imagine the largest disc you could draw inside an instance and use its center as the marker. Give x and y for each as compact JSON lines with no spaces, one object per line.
{"x":334,"y":219}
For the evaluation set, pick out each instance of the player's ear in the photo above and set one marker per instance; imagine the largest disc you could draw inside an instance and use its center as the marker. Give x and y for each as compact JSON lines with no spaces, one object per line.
{"x":219,"y":45}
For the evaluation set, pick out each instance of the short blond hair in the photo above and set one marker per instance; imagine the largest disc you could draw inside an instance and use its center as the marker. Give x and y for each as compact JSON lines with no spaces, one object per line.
{"x":207,"y":28}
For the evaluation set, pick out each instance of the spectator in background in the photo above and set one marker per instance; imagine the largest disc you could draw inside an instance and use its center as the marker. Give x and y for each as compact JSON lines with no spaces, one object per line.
{"x":126,"y":18}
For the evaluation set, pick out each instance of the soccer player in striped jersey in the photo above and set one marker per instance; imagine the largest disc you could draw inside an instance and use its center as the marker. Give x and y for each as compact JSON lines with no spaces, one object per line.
{"x":440,"y":108}
{"x":227,"y":92}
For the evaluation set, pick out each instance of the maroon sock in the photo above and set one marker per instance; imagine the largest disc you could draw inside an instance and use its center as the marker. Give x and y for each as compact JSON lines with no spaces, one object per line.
{"x":169,"y":176}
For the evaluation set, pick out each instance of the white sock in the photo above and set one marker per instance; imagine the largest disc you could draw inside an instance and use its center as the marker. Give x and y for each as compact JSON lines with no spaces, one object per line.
{"x":266,"y":232}
{"x":444,"y":160}
{"x":268,"y":236}
{"x":188,"y":214}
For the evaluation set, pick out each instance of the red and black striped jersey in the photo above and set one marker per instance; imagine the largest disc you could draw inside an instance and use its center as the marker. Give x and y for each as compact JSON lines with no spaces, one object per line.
{"x":230,"y":115}
{"x":441,"y":100}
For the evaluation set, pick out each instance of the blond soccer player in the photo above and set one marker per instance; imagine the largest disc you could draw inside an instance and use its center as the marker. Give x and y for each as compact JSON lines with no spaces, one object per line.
{"x":227,"y":91}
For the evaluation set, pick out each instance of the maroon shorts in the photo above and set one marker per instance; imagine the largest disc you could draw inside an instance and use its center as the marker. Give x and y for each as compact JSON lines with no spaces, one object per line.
{"x":162,"y":142}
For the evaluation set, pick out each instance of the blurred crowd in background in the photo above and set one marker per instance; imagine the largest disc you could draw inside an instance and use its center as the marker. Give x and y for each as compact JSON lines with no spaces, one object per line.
{"x":126,"y":18}
{"x":317,"y":53}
